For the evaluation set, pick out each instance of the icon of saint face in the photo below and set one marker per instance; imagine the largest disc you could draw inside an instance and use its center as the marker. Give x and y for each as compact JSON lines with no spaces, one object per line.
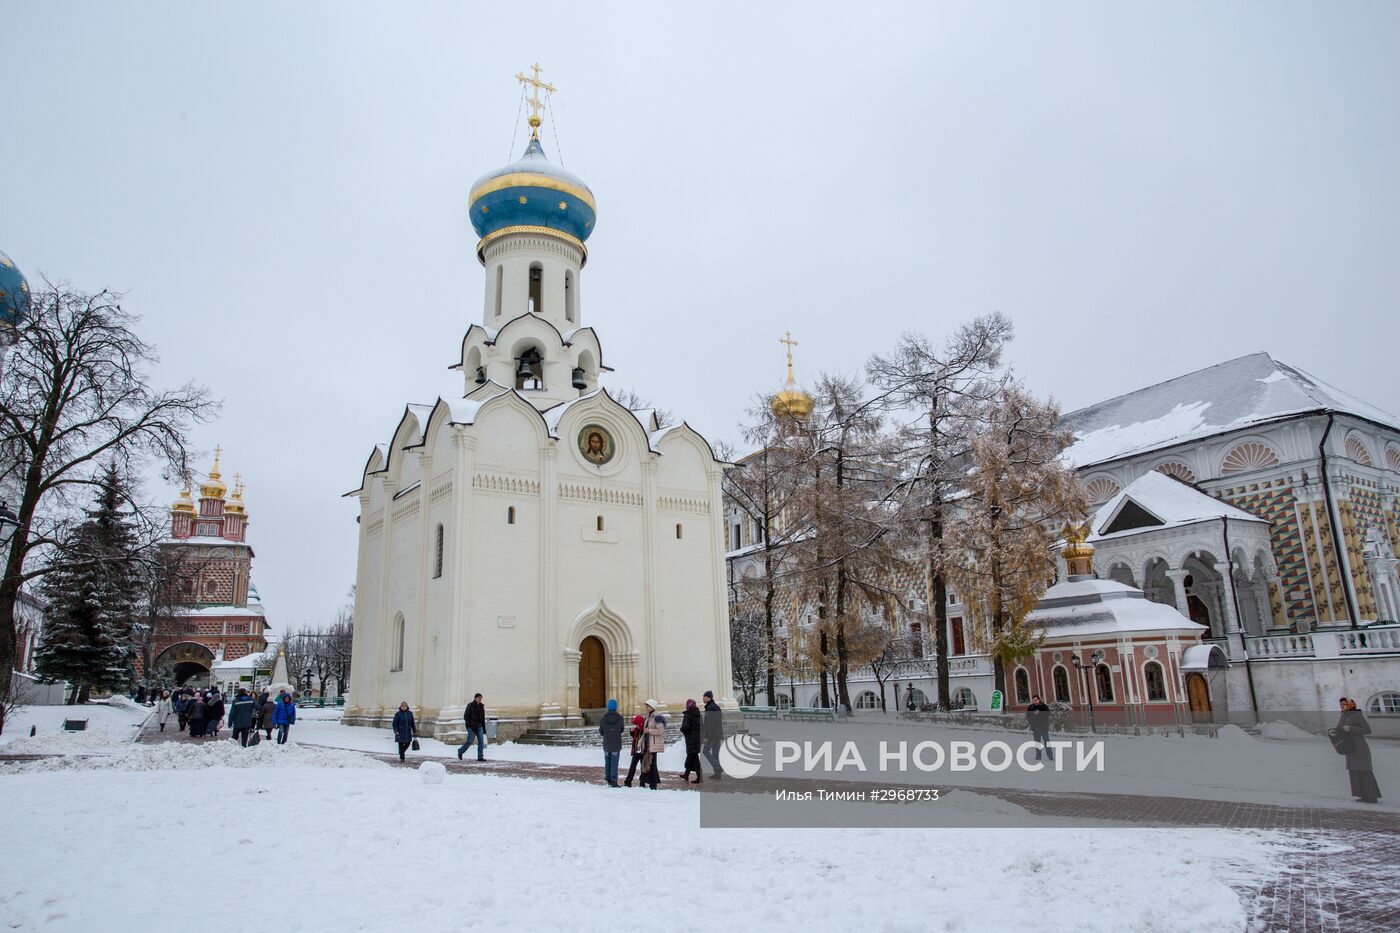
{"x":595,"y":446}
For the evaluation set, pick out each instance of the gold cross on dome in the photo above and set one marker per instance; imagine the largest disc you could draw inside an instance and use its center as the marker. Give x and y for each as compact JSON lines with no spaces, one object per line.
{"x":790,"y":344}
{"x":534,"y":101}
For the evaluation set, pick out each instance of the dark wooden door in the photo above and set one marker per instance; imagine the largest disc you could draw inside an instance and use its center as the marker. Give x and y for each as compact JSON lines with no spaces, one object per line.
{"x":1198,"y":693}
{"x":592,"y":674}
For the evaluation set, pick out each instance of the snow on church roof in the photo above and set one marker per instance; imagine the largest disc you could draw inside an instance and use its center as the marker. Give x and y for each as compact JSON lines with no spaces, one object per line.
{"x":1229,"y":396}
{"x":1170,"y":500}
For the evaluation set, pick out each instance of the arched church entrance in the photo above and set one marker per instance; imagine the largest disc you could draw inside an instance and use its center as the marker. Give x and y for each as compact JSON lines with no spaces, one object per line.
{"x":188,"y":661}
{"x":1198,"y":696}
{"x":592,"y":674}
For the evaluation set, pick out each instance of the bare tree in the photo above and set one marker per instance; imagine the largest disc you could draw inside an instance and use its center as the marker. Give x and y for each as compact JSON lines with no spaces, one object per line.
{"x":936,"y":394}
{"x":75,"y":395}
{"x":634,"y":401}
{"x":851,"y":549}
{"x":748,"y":654}
{"x":765,"y":487}
{"x":1017,"y":490}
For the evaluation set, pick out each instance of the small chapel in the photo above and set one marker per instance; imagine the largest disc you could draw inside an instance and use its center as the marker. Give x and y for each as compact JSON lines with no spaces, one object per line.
{"x":532,"y":539}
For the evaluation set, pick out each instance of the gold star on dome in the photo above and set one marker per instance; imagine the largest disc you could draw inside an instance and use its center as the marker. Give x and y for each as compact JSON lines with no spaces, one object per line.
{"x":563,"y":205}
{"x":523,"y":199}
{"x":485,"y":209}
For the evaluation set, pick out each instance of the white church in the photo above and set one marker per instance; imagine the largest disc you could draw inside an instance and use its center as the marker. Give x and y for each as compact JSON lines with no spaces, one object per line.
{"x":534,"y":540}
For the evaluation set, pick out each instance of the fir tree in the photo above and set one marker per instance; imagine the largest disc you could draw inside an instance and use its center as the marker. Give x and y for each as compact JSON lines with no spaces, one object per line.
{"x":92,"y":595}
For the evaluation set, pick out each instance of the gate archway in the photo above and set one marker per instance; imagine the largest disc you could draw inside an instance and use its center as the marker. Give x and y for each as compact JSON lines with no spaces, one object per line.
{"x":190,"y":660}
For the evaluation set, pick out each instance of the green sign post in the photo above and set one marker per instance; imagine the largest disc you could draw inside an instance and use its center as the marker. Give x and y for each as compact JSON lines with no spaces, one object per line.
{"x":997,"y":701}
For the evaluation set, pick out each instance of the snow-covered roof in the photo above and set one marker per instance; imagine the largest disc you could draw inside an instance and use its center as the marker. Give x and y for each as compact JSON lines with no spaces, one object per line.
{"x":1203,"y":657}
{"x":1229,"y":396}
{"x":1168,"y":499}
{"x":206,"y":539}
{"x":231,"y":612}
{"x":1083,"y":607}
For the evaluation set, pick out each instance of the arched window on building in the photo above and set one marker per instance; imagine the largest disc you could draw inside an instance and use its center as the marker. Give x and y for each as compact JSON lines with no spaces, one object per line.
{"x":510,"y":515}
{"x":396,"y":647}
{"x":600,"y":523}
{"x":500,"y":287}
{"x":570,"y":310}
{"x":1023,"y":686}
{"x":782,"y":701}
{"x":536,"y":288}
{"x":679,"y":531}
{"x":437,"y":554}
{"x":529,"y":369}
{"x":1103,"y":677}
{"x":1060,"y":677}
{"x":964,"y":698}
{"x":867,"y":700}
{"x":1384,"y":704}
{"x":1156,"y":681}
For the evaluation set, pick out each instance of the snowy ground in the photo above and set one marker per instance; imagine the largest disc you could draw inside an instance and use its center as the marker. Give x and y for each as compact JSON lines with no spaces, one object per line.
{"x":328,"y":840}
{"x":108,"y":725}
{"x":1283,"y":766}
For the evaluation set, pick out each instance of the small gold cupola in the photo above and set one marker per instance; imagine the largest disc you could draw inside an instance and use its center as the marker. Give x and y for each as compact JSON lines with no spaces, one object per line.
{"x":1078,"y":552}
{"x":183,"y":502}
{"x":235,"y":503}
{"x":791,"y":402}
{"x":214,"y":487}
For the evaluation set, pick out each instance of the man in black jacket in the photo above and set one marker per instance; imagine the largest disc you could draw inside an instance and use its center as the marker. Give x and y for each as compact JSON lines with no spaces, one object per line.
{"x":1038,"y":719}
{"x":476,"y":728}
{"x":240,"y":716}
{"x":714,"y":733}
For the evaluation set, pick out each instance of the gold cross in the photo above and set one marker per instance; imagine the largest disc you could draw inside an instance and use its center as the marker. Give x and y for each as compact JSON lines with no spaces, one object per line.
{"x":790,"y":344}
{"x":534,"y":101}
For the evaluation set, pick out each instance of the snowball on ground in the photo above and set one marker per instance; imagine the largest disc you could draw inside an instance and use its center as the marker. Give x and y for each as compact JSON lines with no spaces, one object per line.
{"x":364,"y":848}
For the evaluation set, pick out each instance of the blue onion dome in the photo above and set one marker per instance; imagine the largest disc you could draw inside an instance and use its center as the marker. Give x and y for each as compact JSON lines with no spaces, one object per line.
{"x":14,"y":294}
{"x":532,"y":193}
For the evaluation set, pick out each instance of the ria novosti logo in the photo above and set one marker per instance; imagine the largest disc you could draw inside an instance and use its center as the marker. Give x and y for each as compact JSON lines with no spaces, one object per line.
{"x":740,"y":756}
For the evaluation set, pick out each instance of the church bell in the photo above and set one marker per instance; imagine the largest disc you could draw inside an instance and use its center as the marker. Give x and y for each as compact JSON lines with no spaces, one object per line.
{"x":579,"y":382}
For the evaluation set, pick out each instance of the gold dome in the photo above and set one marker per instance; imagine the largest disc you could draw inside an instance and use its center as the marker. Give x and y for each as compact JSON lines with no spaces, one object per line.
{"x":791,"y":402}
{"x":235,"y":504}
{"x":183,"y":502}
{"x":214,"y":488}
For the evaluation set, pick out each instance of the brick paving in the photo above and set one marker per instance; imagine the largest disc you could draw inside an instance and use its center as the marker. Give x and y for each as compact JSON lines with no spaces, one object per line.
{"x":1336,"y":874}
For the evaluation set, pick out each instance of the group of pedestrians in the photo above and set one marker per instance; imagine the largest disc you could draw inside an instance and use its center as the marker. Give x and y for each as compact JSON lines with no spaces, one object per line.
{"x":202,"y":712}
{"x":701,"y":729}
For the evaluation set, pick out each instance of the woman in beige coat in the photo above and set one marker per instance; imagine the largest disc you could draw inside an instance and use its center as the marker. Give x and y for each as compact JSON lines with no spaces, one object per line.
{"x":654,"y":730}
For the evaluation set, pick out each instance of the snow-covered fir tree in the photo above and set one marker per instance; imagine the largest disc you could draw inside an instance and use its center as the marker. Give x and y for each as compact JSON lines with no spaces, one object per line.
{"x":92,"y":593}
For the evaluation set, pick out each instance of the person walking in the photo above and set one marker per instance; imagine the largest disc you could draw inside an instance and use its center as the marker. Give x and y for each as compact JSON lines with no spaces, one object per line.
{"x":163,"y":709}
{"x":1349,"y":739}
{"x":240,"y":716}
{"x":693,"y":729}
{"x":405,"y":729}
{"x":611,"y":731}
{"x":714,"y":734}
{"x":284,"y":716}
{"x":266,"y":708}
{"x":654,"y":740}
{"x":182,"y":703}
{"x":198,"y":712}
{"x":638,"y":734}
{"x":1038,"y":721}
{"x":476,"y":727}
{"x":215,"y":719}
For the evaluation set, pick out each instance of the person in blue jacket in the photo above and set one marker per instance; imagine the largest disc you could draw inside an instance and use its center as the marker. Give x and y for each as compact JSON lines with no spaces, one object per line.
{"x":284,"y":716}
{"x":404,"y":728}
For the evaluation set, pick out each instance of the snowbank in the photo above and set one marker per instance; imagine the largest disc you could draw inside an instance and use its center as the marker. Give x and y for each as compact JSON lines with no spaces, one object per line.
{"x":116,"y":724}
{"x":1286,"y":732}
{"x":189,"y":756}
{"x":368,"y":849}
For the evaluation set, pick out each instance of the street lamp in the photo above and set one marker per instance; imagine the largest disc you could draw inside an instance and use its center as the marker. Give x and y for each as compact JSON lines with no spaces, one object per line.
{"x":9,"y":523}
{"x":1088,"y":686}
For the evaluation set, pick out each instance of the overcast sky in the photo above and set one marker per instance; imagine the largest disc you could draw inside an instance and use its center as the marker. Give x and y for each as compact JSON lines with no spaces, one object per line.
{"x":281,"y":191}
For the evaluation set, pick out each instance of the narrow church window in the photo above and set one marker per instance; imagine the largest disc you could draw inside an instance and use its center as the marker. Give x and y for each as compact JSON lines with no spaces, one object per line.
{"x":600,"y":523}
{"x":1023,"y":686}
{"x":396,"y":649}
{"x":437,"y":559}
{"x":510,"y":515}
{"x":1104,"y":678}
{"x":1156,"y":683}
{"x":678,"y":531}
{"x":536,"y":288}
{"x":500,"y":286}
{"x":1061,"y":679}
{"x":569,"y":310}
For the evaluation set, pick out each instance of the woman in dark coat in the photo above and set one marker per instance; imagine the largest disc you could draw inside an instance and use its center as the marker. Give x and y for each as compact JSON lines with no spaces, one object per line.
{"x":196,"y":712}
{"x":265,"y":710}
{"x":693,"y":728}
{"x":216,"y":712}
{"x":404,"y":728}
{"x":1353,"y":728}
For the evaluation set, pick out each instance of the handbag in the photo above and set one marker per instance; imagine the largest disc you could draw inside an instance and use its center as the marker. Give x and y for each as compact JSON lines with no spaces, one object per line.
{"x":414,"y":746}
{"x":254,"y":739}
{"x":1342,"y":743}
